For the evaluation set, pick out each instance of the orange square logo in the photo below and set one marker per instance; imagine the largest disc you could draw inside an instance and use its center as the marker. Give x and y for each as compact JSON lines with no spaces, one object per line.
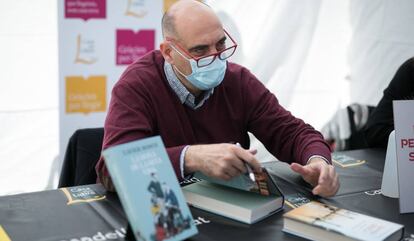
{"x":168,"y":3}
{"x":85,"y":95}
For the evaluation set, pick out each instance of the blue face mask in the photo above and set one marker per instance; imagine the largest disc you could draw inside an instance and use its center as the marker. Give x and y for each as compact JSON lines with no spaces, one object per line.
{"x":208,"y":77}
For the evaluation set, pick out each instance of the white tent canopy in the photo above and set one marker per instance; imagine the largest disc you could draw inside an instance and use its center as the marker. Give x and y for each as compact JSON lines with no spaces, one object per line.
{"x":316,"y":56}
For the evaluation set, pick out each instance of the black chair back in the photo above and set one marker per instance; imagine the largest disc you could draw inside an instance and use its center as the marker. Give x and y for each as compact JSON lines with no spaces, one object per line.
{"x":82,"y":153}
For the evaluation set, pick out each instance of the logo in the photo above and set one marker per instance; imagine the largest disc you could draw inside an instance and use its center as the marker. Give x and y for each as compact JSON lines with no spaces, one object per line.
{"x":85,"y":9}
{"x":85,"y":95}
{"x":81,"y":194}
{"x":117,"y":234}
{"x":190,"y":181}
{"x":373,"y":192}
{"x":136,"y":8}
{"x":200,"y":220}
{"x":3,"y":235}
{"x":131,"y":46}
{"x":168,"y":3}
{"x":85,"y":51}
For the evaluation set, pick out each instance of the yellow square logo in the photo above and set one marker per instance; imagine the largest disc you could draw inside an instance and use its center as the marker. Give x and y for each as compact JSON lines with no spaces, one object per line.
{"x":3,"y":235}
{"x":85,"y":95}
{"x":168,"y":3}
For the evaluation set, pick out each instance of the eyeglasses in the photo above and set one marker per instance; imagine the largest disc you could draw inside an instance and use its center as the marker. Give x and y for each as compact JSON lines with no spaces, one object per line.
{"x":208,"y":59}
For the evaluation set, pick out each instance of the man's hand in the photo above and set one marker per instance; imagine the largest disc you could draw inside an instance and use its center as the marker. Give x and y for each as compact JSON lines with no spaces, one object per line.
{"x":320,"y":175}
{"x":223,"y":161}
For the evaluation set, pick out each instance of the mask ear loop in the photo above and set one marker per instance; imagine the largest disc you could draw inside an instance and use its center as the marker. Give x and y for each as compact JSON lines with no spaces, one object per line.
{"x":175,"y":67}
{"x":181,"y":73}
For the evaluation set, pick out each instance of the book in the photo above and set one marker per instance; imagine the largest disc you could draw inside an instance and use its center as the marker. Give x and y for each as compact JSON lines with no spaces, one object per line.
{"x":149,"y":191}
{"x":318,"y":221}
{"x":296,"y":200}
{"x":346,"y":161}
{"x":240,"y":198}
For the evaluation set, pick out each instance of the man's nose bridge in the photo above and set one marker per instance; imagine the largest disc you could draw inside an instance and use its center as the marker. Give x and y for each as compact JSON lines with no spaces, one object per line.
{"x":212,"y":49}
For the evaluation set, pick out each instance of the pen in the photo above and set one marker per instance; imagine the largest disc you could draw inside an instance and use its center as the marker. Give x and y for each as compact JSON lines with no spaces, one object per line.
{"x":249,"y":170}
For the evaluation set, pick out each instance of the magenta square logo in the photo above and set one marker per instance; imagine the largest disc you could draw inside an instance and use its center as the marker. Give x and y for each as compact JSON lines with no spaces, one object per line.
{"x":85,"y":9}
{"x":130,"y":46}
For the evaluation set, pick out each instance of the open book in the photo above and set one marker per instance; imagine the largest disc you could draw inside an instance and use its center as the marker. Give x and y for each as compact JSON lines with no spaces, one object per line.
{"x":240,"y":198}
{"x":318,"y":221}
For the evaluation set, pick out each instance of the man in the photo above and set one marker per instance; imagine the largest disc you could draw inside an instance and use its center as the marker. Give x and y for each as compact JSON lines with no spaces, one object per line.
{"x":201,"y":106}
{"x":381,"y":122}
{"x":154,"y":187}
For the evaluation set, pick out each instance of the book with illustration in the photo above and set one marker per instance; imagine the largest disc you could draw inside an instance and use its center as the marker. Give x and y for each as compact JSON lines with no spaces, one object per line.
{"x":149,"y":191}
{"x":343,"y":160}
{"x":240,"y":198}
{"x":318,"y":221}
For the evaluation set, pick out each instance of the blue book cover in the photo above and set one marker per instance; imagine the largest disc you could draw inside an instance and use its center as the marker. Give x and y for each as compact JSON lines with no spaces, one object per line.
{"x":149,"y":191}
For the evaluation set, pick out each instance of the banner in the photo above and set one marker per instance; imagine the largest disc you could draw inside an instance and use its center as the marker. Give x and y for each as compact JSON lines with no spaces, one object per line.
{"x":98,"y":39}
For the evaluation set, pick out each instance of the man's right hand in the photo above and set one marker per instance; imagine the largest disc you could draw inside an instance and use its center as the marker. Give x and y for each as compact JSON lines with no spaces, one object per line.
{"x":223,"y":161}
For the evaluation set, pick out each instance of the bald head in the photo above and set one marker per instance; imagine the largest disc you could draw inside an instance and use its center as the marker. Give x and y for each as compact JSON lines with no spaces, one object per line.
{"x":187,"y":16}
{"x":195,"y":31}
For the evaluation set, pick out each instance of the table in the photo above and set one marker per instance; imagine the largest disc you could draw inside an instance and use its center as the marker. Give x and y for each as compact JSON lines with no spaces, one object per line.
{"x":89,"y":213}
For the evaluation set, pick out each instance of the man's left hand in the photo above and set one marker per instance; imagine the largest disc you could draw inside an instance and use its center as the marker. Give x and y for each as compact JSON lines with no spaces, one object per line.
{"x":320,"y":175}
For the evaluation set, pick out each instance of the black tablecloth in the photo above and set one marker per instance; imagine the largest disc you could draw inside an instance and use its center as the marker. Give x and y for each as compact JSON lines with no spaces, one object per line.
{"x":354,"y":179}
{"x":90,"y":213}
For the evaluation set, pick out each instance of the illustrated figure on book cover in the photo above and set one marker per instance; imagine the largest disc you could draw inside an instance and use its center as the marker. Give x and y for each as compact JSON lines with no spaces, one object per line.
{"x":168,"y":217}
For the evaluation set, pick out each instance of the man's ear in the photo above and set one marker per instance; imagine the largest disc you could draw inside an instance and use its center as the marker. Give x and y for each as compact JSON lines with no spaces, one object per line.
{"x":166,"y":52}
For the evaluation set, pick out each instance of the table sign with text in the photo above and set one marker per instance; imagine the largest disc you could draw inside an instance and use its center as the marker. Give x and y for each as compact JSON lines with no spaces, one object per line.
{"x":404,"y":139}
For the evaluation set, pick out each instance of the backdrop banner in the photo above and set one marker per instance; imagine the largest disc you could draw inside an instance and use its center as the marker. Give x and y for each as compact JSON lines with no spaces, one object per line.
{"x":98,"y":39}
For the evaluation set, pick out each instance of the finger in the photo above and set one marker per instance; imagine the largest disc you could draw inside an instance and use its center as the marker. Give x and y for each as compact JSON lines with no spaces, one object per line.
{"x":299,"y":169}
{"x":316,"y":190}
{"x":230,"y":160}
{"x":327,"y":190}
{"x":323,"y":175}
{"x":224,"y":176}
{"x":332,"y":177}
{"x":320,"y":190}
{"x":249,"y":158}
{"x":335,"y":184}
{"x":331,"y":172}
{"x":225,"y":166}
{"x":232,"y":172}
{"x":253,"y":151}
{"x":239,"y":165}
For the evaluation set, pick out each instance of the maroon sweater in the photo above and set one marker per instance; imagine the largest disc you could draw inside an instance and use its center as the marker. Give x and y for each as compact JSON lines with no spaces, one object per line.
{"x":143,"y":104}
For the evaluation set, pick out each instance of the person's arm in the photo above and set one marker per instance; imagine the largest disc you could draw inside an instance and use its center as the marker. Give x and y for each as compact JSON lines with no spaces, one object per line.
{"x":130,"y":117}
{"x":285,"y":136}
{"x":290,"y":139}
{"x":381,"y":122}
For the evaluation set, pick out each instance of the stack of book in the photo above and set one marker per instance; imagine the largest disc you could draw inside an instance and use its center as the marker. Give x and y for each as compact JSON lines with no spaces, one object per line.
{"x":240,"y":198}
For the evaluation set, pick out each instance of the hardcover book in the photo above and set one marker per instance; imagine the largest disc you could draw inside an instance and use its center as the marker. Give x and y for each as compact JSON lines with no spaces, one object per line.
{"x":318,"y":221}
{"x":346,"y":161}
{"x":149,"y":191}
{"x":240,"y":198}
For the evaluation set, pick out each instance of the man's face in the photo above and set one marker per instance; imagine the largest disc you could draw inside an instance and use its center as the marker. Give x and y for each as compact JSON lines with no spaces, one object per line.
{"x":198,"y":42}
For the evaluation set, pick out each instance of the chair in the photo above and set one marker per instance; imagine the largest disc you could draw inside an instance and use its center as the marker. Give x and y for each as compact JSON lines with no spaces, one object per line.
{"x":344,"y":130}
{"x":82,"y":153}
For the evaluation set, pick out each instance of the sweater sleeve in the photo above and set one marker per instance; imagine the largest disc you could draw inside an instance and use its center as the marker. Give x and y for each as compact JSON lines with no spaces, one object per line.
{"x":130,"y":117}
{"x":288,"y":138}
